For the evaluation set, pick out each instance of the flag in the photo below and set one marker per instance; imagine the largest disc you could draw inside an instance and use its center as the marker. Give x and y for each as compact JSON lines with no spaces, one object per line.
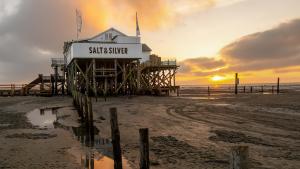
{"x":138,"y":33}
{"x":78,"y":21}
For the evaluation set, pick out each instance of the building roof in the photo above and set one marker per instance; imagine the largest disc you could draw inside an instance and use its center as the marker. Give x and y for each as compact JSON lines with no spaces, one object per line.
{"x":110,"y":29}
{"x":146,"y":48}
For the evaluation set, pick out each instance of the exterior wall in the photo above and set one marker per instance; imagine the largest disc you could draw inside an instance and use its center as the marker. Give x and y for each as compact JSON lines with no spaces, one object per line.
{"x":127,"y":39}
{"x":145,"y":57}
{"x":97,"y":50}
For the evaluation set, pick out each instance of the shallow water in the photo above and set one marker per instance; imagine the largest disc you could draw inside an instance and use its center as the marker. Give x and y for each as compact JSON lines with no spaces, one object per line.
{"x":42,"y":118}
{"x":96,"y":153}
{"x":98,"y":150}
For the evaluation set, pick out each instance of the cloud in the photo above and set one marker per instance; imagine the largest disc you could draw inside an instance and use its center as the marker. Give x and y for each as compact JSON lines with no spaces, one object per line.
{"x":201,"y":66}
{"x":274,"y":48}
{"x":8,"y":8}
{"x":33,"y":31}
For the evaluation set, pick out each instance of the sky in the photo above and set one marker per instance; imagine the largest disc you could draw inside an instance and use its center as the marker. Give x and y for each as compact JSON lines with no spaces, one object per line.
{"x":210,"y":39}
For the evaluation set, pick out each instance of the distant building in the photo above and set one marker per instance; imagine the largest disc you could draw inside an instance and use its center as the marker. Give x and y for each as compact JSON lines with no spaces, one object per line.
{"x":108,"y":45}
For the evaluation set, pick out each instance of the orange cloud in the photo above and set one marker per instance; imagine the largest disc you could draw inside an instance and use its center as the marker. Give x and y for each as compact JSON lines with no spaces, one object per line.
{"x":153,"y":14}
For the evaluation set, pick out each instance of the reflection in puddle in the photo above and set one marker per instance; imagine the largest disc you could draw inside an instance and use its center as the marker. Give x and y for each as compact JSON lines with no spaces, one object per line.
{"x":98,"y":151}
{"x":42,"y":118}
{"x":266,"y":93}
{"x":94,"y":160}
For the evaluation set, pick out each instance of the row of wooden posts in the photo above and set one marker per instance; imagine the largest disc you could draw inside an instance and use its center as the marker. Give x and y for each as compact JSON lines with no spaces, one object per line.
{"x":251,"y":88}
{"x":13,"y":89}
{"x":237,"y":81}
{"x":239,"y":155}
{"x":83,"y":103}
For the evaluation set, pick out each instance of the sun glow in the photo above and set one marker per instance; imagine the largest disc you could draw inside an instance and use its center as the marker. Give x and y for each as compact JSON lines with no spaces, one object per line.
{"x":217,"y":78}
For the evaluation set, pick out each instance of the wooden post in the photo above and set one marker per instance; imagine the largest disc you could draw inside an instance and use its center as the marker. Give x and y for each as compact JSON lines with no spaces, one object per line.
{"x":278,"y":85}
{"x":144,"y":148}
{"x":86,"y":108}
{"x":244,"y":89}
{"x":236,"y":83}
{"x":115,"y":136}
{"x":90,"y":109}
{"x":94,"y":78}
{"x":116,"y":76}
{"x":208,"y":91}
{"x":272,"y":89}
{"x":251,"y":89}
{"x":262,"y":89}
{"x":55,"y":80}
{"x":63,"y":86}
{"x":11,"y":89}
{"x":239,"y":157}
{"x":52,"y":85}
{"x":105,"y":88}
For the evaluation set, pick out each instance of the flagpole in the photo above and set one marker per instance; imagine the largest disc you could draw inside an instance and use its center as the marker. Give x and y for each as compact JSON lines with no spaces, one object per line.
{"x":76,"y":24}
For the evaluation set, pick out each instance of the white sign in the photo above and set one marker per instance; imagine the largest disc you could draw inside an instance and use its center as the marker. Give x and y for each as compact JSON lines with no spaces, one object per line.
{"x":105,"y":51}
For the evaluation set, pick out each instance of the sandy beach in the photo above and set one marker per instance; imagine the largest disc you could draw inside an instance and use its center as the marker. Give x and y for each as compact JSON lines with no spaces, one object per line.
{"x":187,"y":132}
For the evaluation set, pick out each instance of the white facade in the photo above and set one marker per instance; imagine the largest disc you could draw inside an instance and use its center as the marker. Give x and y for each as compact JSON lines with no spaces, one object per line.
{"x":110,"y":44}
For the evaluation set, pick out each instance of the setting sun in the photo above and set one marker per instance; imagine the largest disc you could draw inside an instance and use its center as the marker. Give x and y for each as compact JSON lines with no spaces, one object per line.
{"x":217,"y":78}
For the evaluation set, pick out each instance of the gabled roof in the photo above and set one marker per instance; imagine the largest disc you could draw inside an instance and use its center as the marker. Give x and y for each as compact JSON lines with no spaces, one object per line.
{"x":110,"y":29}
{"x":146,"y":48}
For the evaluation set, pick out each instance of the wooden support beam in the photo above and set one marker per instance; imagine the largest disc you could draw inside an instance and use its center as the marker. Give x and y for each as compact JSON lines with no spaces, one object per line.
{"x":239,"y":157}
{"x":144,"y":148}
{"x":115,"y":136}
{"x":116,"y":76}
{"x":94,"y":78}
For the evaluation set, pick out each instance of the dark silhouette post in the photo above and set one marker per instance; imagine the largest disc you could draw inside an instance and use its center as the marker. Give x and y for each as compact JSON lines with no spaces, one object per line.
{"x":278,"y":80}
{"x":115,"y":136}
{"x":208,"y":91}
{"x":236,"y":83}
{"x":144,"y":148}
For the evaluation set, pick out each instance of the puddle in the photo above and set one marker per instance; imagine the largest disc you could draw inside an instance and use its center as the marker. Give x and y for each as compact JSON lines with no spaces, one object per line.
{"x":267,"y":93}
{"x":42,"y":118}
{"x":98,"y":151}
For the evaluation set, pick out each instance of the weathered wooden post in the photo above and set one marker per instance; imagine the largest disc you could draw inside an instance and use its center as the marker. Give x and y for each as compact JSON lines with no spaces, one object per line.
{"x":144,"y":148}
{"x":52,"y":85}
{"x":251,"y":89}
{"x":90,"y":109}
{"x":239,"y":157}
{"x":86,"y":108}
{"x":11,"y":89}
{"x":272,"y":89}
{"x":208,"y":91}
{"x":278,"y":85}
{"x":115,"y":136}
{"x":236,"y":83}
{"x":244,"y":89}
{"x":262,"y":89}
{"x":55,"y":80}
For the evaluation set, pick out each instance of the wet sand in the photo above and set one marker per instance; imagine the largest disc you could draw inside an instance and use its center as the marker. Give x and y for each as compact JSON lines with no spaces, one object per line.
{"x":192,"y":131}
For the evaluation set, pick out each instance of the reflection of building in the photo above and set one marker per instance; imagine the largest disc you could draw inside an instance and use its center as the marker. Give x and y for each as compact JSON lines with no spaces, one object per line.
{"x":114,"y":63}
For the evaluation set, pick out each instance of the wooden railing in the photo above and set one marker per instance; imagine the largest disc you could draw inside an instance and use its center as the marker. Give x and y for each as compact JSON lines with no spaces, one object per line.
{"x":20,"y":90}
